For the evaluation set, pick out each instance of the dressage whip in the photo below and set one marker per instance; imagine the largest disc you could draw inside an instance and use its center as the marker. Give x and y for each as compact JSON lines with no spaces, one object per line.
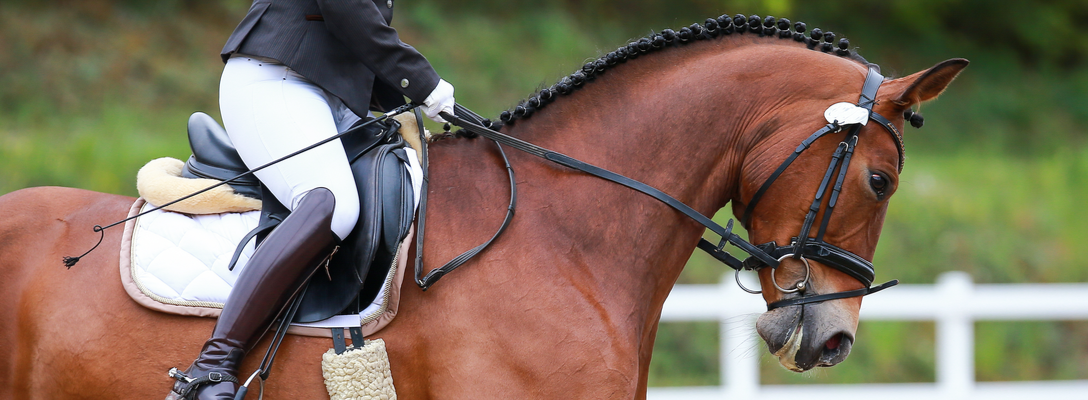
{"x":69,"y":261}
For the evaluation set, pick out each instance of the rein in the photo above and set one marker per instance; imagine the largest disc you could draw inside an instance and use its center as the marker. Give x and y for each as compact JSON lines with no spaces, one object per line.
{"x":762,"y":256}
{"x":472,"y":122}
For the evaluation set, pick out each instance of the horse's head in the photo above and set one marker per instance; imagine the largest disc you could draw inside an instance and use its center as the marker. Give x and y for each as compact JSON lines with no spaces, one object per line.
{"x":816,"y":334}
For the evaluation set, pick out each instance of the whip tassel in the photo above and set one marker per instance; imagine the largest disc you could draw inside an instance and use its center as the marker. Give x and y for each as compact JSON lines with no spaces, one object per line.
{"x":71,"y":261}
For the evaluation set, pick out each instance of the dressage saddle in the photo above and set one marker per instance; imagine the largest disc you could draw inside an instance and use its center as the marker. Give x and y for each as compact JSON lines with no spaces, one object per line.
{"x":357,"y":271}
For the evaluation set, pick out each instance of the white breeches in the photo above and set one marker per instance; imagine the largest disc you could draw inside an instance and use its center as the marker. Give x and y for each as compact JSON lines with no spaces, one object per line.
{"x":271,"y":111}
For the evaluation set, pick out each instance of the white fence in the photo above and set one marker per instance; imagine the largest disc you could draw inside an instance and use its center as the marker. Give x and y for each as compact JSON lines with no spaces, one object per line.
{"x":954,"y":304}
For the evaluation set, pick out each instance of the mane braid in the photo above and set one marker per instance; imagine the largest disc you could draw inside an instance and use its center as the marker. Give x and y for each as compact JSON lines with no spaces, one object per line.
{"x":722,"y":26}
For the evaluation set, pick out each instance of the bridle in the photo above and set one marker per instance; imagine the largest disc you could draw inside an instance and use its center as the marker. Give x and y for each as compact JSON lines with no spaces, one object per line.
{"x":840,"y":116}
{"x":802,"y":247}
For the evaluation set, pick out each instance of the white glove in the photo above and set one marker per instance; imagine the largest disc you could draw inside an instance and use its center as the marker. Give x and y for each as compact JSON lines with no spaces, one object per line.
{"x":440,"y":100}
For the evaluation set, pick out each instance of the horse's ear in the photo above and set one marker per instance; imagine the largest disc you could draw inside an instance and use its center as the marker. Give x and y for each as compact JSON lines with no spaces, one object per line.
{"x":926,"y":85}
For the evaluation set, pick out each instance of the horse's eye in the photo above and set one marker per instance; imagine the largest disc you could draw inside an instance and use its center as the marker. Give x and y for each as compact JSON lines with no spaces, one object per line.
{"x":879,"y":183}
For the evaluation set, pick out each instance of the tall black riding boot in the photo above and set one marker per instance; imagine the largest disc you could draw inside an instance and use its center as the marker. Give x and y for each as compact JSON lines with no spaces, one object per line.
{"x":279,"y":266}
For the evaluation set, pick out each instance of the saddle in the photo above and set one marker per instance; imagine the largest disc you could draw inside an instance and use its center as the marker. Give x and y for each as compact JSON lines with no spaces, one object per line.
{"x":356,"y":273}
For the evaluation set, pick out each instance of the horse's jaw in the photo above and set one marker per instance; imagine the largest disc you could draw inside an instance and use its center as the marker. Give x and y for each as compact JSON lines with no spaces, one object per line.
{"x":808,"y":336}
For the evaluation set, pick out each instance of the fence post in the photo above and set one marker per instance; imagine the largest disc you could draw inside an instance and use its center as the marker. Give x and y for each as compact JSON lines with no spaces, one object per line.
{"x":955,"y":335}
{"x":738,"y":345}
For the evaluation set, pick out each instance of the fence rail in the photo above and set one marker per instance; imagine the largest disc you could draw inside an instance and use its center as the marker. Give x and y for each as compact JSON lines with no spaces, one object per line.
{"x":954,"y":303}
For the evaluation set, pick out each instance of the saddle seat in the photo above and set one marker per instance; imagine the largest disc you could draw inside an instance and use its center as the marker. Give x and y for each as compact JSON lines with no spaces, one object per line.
{"x":388,"y":176}
{"x":215,"y":157}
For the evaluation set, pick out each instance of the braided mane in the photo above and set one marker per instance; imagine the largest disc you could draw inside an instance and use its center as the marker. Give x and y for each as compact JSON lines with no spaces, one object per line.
{"x":713,"y":28}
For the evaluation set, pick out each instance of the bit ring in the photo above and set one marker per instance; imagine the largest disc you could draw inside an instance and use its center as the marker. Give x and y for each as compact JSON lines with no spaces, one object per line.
{"x":800,"y":285}
{"x":736,"y":275}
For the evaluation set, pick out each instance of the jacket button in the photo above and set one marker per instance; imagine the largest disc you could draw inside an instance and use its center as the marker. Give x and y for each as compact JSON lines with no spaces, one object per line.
{"x":389,"y":3}
{"x":404,"y":83}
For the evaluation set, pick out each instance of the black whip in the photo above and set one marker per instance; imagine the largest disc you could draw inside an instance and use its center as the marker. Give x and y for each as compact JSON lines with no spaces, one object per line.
{"x":71,"y":261}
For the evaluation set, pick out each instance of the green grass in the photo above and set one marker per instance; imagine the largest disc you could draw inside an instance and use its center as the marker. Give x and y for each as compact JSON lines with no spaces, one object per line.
{"x":99,"y":153}
{"x":1002,"y":219}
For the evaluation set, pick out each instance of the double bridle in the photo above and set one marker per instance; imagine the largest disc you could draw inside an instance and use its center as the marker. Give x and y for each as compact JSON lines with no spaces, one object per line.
{"x":802,"y":247}
{"x":840,"y":116}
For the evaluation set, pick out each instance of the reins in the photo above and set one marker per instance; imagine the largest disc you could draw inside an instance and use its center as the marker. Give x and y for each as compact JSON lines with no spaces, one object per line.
{"x":425,"y":282}
{"x":768,"y":254}
{"x":473,"y":123}
{"x":761,"y":256}
{"x":716,"y":250}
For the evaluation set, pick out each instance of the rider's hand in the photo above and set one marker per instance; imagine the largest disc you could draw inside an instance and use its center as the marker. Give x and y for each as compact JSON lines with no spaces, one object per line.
{"x":440,"y":100}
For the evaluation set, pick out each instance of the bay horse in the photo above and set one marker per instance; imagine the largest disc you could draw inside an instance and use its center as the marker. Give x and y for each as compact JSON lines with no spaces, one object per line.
{"x":566,"y":303}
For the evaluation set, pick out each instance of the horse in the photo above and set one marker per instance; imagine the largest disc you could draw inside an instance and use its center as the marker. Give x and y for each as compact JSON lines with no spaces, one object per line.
{"x":566,"y":303}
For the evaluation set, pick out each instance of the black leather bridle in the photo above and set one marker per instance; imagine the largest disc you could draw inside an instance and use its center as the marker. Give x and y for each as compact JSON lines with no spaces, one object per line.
{"x":802,"y":246}
{"x":770,"y":254}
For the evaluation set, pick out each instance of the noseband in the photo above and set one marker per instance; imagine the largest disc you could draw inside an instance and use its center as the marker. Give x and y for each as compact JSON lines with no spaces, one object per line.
{"x":840,"y":116}
{"x":802,"y":247}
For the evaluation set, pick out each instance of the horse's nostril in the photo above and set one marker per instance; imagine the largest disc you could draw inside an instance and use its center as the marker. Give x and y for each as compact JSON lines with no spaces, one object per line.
{"x":835,"y":350}
{"x":834,"y":342}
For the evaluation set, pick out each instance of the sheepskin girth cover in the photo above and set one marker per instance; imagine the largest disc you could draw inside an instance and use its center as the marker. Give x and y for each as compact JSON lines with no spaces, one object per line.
{"x":160,"y":182}
{"x":359,"y":373}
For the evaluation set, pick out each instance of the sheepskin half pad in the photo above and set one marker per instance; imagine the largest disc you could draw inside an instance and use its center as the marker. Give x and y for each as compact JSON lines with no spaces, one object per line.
{"x":160,"y":182}
{"x":177,"y":263}
{"x":359,"y":373}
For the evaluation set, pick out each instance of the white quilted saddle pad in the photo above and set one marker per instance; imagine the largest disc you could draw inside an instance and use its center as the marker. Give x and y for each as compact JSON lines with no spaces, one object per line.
{"x":177,"y":263}
{"x":182,"y":259}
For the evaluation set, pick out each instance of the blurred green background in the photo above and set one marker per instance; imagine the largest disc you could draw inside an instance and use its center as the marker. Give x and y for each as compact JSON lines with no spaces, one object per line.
{"x":90,"y":90}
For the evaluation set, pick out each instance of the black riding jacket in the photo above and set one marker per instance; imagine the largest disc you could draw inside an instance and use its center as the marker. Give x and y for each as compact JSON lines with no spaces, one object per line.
{"x":344,"y":46}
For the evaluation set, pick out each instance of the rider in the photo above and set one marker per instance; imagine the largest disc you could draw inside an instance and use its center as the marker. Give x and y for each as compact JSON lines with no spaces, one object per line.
{"x":297,"y":72}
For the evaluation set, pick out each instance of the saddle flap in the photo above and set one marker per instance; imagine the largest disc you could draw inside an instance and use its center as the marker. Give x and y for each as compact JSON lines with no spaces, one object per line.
{"x":387,"y":207}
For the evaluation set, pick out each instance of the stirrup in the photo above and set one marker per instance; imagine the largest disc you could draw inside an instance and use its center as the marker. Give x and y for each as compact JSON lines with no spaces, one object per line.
{"x":189,"y":391}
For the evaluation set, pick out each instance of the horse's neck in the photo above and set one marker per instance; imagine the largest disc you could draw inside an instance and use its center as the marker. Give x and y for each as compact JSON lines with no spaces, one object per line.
{"x":660,"y":121}
{"x":674,"y":121}
{"x":660,"y":125}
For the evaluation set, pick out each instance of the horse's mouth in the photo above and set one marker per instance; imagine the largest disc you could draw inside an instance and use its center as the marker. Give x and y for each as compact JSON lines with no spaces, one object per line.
{"x":800,"y":341}
{"x":788,"y":352}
